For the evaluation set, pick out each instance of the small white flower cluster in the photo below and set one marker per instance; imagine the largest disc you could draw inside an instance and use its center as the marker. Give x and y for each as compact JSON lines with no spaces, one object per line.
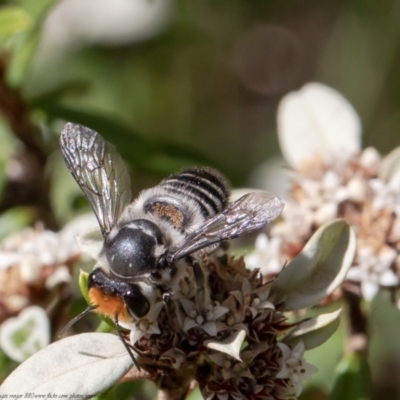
{"x":195,"y":319}
{"x":147,"y":325}
{"x":371,"y":205}
{"x":233,"y":337}
{"x":266,"y":255}
{"x":34,"y":249}
{"x":374,"y":270}
{"x":333,"y":178}
{"x":294,"y":367}
{"x":33,"y":262}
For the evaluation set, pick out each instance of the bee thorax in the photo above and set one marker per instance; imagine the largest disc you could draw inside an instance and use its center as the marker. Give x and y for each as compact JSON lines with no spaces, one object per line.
{"x":133,"y":249}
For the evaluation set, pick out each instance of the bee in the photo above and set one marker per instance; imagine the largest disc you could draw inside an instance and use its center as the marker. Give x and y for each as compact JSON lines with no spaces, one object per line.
{"x":149,"y":241}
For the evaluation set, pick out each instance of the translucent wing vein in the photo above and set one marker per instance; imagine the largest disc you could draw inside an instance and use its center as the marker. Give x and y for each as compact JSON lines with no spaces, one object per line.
{"x":99,"y":171}
{"x":249,"y":213}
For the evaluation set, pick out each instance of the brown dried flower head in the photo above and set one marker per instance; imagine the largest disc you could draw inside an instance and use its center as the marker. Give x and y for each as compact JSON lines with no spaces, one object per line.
{"x":185,"y":309}
{"x":241,"y":346}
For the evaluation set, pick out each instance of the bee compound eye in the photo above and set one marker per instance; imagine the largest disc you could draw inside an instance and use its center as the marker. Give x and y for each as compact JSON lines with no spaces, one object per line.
{"x":136,"y":301}
{"x":131,"y":252}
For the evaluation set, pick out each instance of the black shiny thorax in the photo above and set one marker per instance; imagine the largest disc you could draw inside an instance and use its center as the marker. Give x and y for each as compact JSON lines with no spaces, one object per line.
{"x":131,"y":251}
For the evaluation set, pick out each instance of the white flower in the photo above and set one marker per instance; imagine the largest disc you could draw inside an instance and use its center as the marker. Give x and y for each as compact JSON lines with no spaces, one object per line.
{"x":320,"y":136}
{"x":195,"y":319}
{"x":387,"y":194}
{"x":73,"y":22}
{"x":373,"y":270}
{"x":35,"y":248}
{"x":251,"y":358}
{"x":253,"y":300}
{"x":317,"y":120}
{"x":265,"y":255}
{"x":147,"y":325}
{"x":294,"y":367}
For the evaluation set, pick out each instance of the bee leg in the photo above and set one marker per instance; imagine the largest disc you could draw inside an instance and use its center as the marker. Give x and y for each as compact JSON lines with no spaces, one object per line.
{"x":174,"y":312}
{"x":201,"y":279}
{"x":127,"y":346}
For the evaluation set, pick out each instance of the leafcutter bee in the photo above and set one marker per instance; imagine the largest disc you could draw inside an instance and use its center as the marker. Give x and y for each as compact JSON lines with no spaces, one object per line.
{"x":150,"y":240}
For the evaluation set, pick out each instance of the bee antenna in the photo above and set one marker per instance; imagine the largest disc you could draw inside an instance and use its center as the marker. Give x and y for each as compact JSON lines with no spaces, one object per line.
{"x":127,"y":346}
{"x":76,"y":319}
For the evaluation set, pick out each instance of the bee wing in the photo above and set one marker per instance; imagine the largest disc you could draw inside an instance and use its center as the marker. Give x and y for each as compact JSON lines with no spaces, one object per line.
{"x":99,"y":171}
{"x":252,"y":211}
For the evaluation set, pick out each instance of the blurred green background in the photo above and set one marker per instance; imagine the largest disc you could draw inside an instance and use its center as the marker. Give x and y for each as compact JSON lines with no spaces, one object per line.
{"x":176,"y":83}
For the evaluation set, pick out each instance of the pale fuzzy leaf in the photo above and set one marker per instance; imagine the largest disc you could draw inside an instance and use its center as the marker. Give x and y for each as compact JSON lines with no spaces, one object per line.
{"x":318,"y":270}
{"x":231,"y":345}
{"x":82,"y":223}
{"x":77,"y":367}
{"x":315,"y":331}
{"x":90,"y":242}
{"x":319,"y":119}
{"x":390,"y":165}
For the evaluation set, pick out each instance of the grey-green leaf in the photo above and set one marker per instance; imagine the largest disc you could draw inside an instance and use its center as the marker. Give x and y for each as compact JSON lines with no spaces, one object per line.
{"x":318,"y":270}
{"x":77,"y":367}
{"x":315,"y":331}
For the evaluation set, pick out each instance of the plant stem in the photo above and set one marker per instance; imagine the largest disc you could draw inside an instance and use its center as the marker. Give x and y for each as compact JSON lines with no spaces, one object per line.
{"x":357,"y":338}
{"x":28,"y":185}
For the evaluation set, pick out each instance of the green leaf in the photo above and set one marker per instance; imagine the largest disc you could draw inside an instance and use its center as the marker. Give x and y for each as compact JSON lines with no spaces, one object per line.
{"x":14,"y":220}
{"x":195,"y":394}
{"x":140,"y":151}
{"x":6,"y":365}
{"x":353,"y":379}
{"x":106,"y":326}
{"x":83,"y":285}
{"x":64,"y":191}
{"x":14,"y":20}
{"x":107,"y":395}
{"x":21,"y":58}
{"x":38,"y":9}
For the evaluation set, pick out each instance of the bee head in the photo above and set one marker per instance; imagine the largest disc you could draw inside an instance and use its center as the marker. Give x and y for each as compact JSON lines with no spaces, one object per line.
{"x":110,"y":295}
{"x":132,"y":250}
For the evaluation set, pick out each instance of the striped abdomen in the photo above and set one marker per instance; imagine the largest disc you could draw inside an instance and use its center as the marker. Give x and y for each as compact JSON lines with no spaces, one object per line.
{"x":204,"y":189}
